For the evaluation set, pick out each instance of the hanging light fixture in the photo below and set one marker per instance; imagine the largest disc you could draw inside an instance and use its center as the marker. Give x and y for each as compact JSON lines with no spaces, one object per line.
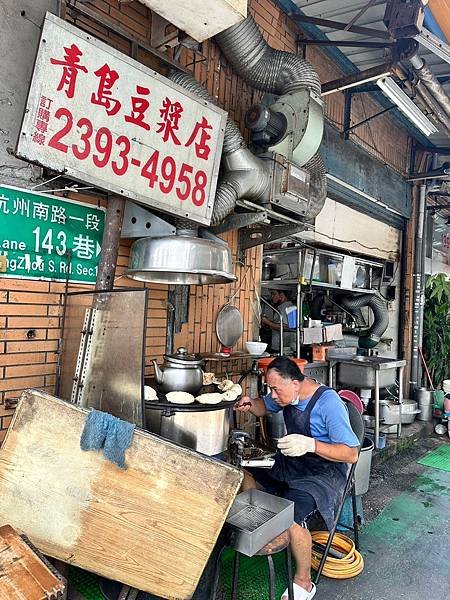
{"x":406,"y":105}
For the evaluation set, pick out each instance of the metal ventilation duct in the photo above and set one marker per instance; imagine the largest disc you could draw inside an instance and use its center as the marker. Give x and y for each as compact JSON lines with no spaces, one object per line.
{"x":379,"y":308}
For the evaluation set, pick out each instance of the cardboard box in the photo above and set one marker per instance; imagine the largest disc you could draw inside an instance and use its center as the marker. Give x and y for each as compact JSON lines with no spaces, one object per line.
{"x":313,"y":335}
{"x":332,"y":333}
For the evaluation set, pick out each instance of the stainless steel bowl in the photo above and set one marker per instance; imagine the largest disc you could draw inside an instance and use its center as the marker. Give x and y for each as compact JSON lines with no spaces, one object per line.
{"x":182,"y":260}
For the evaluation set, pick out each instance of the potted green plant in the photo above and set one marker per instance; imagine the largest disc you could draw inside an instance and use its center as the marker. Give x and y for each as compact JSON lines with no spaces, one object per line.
{"x":436,"y":327}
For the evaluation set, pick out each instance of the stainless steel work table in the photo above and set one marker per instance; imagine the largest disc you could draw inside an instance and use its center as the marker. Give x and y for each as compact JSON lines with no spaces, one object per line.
{"x":375,"y":378}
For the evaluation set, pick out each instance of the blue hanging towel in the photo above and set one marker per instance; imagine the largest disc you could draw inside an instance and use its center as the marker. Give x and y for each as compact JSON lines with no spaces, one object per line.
{"x":102,"y":430}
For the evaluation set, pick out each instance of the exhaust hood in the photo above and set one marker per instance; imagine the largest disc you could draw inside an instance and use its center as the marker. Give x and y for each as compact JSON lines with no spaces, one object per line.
{"x":200,"y":19}
{"x":180,"y":259}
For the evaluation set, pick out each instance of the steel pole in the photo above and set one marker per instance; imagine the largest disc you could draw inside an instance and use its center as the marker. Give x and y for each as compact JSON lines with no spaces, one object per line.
{"x":110,"y":244}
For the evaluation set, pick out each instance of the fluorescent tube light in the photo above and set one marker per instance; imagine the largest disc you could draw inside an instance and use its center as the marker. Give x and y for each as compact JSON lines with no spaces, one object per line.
{"x":406,"y":105}
{"x":434,"y":44}
{"x":355,"y":83}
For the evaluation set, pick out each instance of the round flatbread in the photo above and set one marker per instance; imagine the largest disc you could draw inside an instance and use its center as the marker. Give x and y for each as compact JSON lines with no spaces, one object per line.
{"x":213,"y":398}
{"x":229,"y":395}
{"x":236,"y":388}
{"x":225,"y":384}
{"x":180,"y":397}
{"x":150,"y":393}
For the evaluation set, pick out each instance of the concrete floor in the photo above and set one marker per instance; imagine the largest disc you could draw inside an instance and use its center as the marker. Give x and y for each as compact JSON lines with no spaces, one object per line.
{"x":405,"y":542}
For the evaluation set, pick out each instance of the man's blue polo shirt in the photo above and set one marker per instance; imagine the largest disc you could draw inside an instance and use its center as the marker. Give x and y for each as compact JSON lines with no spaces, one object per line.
{"x":329,"y":418}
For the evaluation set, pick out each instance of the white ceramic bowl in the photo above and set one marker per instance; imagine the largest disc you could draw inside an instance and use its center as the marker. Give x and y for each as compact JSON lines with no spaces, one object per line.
{"x":255,"y":348}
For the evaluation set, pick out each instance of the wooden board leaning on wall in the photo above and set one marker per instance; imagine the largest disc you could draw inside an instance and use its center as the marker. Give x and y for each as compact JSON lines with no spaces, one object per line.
{"x":151,"y":526}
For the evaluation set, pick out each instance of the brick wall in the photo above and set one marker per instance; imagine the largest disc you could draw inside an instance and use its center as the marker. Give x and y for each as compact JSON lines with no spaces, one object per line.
{"x":36,"y":306}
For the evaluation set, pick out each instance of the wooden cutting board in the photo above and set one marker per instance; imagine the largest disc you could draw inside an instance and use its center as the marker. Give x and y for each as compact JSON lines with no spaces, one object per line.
{"x":23,"y":575}
{"x":151,"y":526}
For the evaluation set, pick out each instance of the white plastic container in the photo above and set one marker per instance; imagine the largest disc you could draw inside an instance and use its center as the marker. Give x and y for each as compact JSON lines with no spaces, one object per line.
{"x":363,"y":466}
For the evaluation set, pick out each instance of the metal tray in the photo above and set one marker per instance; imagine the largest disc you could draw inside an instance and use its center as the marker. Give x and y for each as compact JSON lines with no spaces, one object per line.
{"x":257,"y":518}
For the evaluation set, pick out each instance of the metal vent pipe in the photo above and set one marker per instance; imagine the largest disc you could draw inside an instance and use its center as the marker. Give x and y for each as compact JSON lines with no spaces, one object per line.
{"x":276,"y":72}
{"x":245,"y":175}
{"x":430,"y":82}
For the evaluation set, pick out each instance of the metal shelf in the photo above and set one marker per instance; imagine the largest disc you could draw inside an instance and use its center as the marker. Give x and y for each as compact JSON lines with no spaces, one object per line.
{"x":296,"y":249}
{"x":281,"y":283}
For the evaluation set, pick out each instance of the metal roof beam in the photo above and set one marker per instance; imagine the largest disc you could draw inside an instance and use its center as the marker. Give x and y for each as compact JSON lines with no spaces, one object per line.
{"x":348,"y":43}
{"x":340,"y":26}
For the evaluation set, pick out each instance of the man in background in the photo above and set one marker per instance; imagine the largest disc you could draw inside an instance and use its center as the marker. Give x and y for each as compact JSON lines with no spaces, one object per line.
{"x":281,"y":302}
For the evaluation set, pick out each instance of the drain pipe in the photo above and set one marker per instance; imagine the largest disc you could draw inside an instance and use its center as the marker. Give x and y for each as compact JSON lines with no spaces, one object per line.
{"x":418,"y":291}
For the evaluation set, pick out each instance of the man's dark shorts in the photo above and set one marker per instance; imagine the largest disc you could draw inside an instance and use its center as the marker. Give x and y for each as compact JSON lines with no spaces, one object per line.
{"x":305,"y":509}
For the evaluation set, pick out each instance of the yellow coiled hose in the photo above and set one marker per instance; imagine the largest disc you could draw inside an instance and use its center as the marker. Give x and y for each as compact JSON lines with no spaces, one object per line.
{"x":346,"y":567}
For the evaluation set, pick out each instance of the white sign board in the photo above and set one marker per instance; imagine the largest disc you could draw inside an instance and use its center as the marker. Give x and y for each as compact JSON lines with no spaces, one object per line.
{"x":100,"y":117}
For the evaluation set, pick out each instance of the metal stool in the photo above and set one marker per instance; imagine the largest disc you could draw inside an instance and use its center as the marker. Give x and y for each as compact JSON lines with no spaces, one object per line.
{"x":278,"y":544}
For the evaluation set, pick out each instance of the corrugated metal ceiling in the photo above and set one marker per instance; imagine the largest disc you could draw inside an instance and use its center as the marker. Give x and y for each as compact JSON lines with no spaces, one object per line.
{"x":364,"y":58}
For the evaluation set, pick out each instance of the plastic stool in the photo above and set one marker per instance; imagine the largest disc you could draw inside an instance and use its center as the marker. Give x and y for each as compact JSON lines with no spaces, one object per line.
{"x":278,"y":544}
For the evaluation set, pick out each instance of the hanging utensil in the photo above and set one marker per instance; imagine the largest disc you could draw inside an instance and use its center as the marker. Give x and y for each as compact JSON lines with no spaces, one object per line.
{"x":229,"y":326}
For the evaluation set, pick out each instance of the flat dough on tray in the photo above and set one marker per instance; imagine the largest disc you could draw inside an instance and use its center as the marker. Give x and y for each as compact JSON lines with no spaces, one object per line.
{"x":180,"y":397}
{"x":212,"y":398}
{"x":230,"y":395}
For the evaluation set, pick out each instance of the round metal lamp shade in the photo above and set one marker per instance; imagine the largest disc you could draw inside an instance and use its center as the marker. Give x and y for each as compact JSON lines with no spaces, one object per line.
{"x":180,"y":260}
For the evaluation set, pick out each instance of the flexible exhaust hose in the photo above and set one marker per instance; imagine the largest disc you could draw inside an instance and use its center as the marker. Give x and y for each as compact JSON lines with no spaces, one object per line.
{"x":263,"y":67}
{"x":380,"y":316}
{"x":246,"y":175}
{"x":276,"y":72}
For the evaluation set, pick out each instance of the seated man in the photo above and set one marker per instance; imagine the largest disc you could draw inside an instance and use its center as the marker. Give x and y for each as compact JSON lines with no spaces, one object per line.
{"x":311,"y":462}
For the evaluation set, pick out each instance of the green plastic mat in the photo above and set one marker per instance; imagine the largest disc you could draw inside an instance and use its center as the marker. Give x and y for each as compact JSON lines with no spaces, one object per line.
{"x":254,"y":575}
{"x":438,"y":459}
{"x":85,"y":583}
{"x":253,"y":578}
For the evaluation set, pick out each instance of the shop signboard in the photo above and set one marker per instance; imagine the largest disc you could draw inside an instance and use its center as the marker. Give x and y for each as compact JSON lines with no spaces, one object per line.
{"x":102,"y":118}
{"x":46,"y":237}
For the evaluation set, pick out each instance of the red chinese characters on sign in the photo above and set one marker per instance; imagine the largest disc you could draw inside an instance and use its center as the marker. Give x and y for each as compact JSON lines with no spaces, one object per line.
{"x":139,"y":107}
{"x":202,"y":150}
{"x":103,"y":97}
{"x":71,"y":67}
{"x":170,"y":114}
{"x":42,"y":118}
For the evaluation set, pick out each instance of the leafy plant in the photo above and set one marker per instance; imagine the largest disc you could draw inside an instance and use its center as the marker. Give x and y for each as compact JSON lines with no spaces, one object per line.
{"x":436,"y":327}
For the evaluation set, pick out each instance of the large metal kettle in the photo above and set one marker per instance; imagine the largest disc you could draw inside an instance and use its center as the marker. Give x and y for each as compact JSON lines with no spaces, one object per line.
{"x":180,"y":372}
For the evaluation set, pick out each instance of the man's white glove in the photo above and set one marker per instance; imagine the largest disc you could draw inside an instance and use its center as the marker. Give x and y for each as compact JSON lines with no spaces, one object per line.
{"x":296,"y":444}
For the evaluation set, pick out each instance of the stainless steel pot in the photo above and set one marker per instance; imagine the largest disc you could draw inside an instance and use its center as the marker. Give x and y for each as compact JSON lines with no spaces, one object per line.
{"x":180,"y":372}
{"x":409,"y":411}
{"x":389,"y":412}
{"x":207,"y":431}
{"x":424,"y":396}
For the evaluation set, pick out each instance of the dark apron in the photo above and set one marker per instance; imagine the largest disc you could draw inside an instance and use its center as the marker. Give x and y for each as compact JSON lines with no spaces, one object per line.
{"x":323,"y":479}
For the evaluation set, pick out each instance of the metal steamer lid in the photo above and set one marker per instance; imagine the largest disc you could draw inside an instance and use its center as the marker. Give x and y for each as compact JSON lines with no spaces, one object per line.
{"x":181,"y":357}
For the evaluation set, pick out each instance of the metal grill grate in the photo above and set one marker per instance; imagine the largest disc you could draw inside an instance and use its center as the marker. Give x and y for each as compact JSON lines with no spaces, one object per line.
{"x":251,"y":517}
